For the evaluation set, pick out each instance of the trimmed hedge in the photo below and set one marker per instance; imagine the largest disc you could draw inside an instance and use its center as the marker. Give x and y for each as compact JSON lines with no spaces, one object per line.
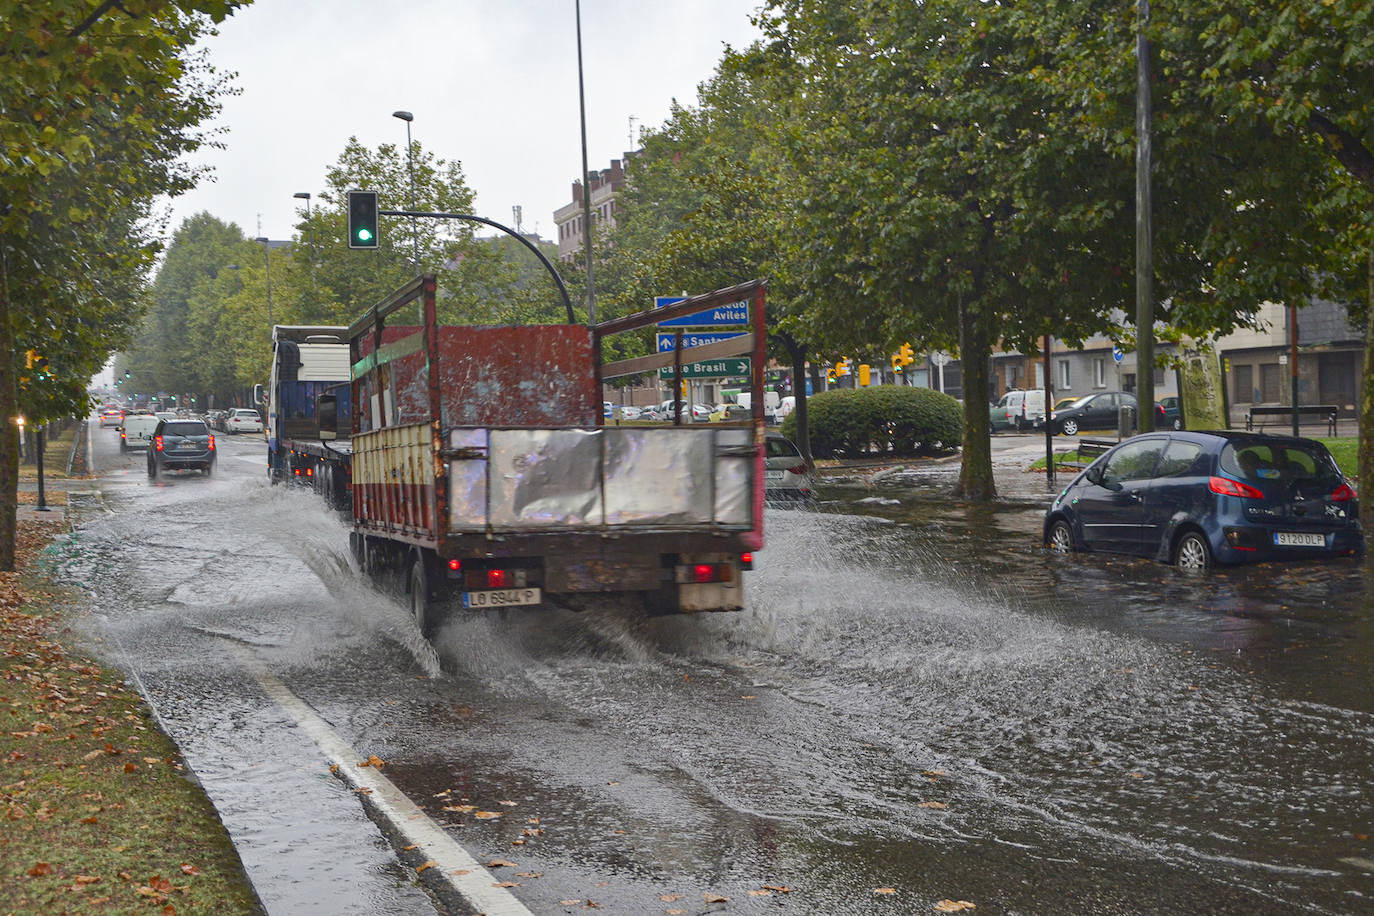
{"x":887,"y":420}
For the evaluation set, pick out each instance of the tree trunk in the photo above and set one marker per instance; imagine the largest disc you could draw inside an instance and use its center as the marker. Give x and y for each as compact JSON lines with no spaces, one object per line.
{"x":975,"y":350}
{"x":1366,"y":440}
{"x":9,"y":431}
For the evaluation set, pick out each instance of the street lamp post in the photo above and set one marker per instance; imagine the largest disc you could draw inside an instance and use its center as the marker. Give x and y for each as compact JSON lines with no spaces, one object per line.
{"x":410,"y":164}
{"x":267,"y":254}
{"x":305,"y":195}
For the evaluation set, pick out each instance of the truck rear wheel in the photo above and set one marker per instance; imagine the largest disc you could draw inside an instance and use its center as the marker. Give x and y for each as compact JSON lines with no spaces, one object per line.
{"x":420,"y":605}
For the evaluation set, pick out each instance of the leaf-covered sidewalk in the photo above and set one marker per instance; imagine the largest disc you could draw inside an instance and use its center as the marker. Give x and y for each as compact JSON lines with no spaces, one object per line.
{"x":97,"y":812}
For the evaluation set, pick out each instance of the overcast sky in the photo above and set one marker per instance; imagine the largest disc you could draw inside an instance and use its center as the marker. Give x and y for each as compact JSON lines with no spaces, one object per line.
{"x":492,"y":84}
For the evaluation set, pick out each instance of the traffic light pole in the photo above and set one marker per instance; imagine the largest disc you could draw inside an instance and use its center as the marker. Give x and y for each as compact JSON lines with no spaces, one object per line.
{"x":563,"y":290}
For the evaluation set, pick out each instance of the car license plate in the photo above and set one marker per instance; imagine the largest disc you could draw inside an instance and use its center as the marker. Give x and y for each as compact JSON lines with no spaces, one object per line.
{"x":1299,"y":539}
{"x":772,"y":475}
{"x":501,"y":597}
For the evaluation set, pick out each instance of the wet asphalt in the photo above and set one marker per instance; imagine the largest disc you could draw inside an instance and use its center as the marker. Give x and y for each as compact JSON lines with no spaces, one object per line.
{"x":919,"y":699}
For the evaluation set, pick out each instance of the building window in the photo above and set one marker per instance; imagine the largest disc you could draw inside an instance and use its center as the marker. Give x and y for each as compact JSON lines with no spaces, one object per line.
{"x":1159,"y":379}
{"x":1064,"y":377}
{"x":1245,"y":385}
{"x":1128,"y":382}
{"x":1269,"y":382}
{"x":1099,"y":372}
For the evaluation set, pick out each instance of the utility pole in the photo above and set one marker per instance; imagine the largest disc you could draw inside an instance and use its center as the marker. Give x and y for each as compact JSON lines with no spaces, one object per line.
{"x":1144,"y":232}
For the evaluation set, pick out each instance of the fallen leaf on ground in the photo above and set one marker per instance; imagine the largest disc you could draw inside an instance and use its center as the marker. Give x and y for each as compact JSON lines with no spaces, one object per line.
{"x":486,"y":815}
{"x":760,"y":893}
{"x":463,"y":808}
{"x":529,"y":874}
{"x":41,"y":869}
{"x":954,"y":906}
{"x":937,"y":805}
{"x":428,"y":863}
{"x":780,"y":888}
{"x":85,"y":879}
{"x":130,"y":767}
{"x":500,"y":863}
{"x":932,"y":772}
{"x":373,"y":761}
{"x":189,"y":869}
{"x":363,"y":790}
{"x":508,"y":804}
{"x":885,"y":890}
{"x":714,"y":898}
{"x":674,"y":912}
{"x":669,"y":898}
{"x":569,"y":902}
{"x":460,"y":871}
{"x":408,"y":848}
{"x":505,"y":884}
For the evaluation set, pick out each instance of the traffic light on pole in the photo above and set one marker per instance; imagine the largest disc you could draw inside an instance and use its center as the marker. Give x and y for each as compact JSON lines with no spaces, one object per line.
{"x":896,"y":362}
{"x":906,"y":354}
{"x":842,"y":367}
{"x":362,"y":219}
{"x":864,"y":377}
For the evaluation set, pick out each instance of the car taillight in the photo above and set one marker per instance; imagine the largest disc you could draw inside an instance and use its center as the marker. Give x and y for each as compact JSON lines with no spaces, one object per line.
{"x":158,"y":441}
{"x":212,"y":443}
{"x":797,"y":469}
{"x":1225,"y":486}
{"x":1342,"y":494}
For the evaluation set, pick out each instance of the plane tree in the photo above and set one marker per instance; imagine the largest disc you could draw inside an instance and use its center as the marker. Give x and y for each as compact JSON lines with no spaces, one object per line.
{"x":99,"y":103}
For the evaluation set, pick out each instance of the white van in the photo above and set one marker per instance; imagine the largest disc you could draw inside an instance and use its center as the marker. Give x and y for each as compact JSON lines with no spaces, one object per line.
{"x":137,"y":431}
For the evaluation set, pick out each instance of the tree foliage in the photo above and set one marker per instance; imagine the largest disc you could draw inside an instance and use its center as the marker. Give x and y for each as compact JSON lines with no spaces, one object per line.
{"x":99,"y":104}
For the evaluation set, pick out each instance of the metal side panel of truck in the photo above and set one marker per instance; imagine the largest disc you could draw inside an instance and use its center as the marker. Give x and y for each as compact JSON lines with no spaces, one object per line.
{"x":482,"y":469}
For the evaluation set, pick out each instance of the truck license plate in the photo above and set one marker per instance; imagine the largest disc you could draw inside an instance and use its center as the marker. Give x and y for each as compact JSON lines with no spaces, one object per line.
{"x":501,"y":597}
{"x":1299,"y":539}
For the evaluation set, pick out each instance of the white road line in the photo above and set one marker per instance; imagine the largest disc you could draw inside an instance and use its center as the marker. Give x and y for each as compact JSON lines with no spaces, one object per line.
{"x":414,"y":825}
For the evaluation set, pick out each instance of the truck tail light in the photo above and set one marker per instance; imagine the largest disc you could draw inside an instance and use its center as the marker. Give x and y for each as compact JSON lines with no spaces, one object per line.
{"x":455,"y":565}
{"x":704,"y":572}
{"x":746,"y":560}
{"x":497,"y":578}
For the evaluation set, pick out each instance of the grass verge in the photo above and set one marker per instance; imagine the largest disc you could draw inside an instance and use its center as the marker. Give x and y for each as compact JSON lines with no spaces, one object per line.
{"x":1344,"y":450}
{"x":99,"y":813}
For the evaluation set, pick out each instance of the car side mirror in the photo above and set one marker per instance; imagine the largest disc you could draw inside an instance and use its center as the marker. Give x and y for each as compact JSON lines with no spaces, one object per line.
{"x":327,"y":415}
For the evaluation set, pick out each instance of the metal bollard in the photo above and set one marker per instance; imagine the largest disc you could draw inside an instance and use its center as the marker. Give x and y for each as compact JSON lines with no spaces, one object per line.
{"x":1125,"y":421}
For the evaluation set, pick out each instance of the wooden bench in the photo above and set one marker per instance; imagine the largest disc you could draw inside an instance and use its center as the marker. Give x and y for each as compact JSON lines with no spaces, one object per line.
{"x":1329,"y":412}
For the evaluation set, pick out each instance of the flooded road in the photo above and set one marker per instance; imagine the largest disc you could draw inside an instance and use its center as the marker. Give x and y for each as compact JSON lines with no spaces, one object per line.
{"x":918,"y":700}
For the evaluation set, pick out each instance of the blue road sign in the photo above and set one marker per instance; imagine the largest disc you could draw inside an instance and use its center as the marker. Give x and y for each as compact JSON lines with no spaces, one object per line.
{"x":695,"y":339}
{"x":722,"y":316}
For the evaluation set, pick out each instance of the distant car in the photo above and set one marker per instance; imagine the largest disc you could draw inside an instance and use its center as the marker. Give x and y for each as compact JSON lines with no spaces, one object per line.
{"x":731,"y":412}
{"x":786,"y":476}
{"x":1007,"y":412}
{"x":111,"y":417}
{"x":243,"y":420}
{"x":166,"y":414}
{"x":630,"y":412}
{"x":1168,"y":414}
{"x":1093,"y":411}
{"x":785,"y":407}
{"x":137,"y":431}
{"x":1199,"y":498}
{"x":180,"y":445}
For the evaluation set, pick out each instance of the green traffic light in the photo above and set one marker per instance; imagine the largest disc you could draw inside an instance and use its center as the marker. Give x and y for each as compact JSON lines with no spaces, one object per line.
{"x":364,"y":235}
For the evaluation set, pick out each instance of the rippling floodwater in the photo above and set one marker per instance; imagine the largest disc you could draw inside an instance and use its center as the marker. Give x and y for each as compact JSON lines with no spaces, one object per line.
{"x":918,"y":698}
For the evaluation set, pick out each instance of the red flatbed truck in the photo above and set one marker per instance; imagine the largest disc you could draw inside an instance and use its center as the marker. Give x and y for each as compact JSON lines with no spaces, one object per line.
{"x":483,"y":474}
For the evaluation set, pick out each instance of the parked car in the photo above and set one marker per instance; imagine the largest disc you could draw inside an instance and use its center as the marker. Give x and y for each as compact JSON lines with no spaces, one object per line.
{"x":243,"y":420}
{"x":1168,"y":414}
{"x":137,"y":431}
{"x":1007,"y":412}
{"x":786,"y":475}
{"x":731,"y":412}
{"x":1093,"y":411}
{"x":1199,"y":498}
{"x":786,"y":406}
{"x":111,"y":416}
{"x":180,"y":445}
{"x":630,"y":412}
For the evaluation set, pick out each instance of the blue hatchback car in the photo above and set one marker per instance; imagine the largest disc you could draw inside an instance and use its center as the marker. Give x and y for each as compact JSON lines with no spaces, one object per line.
{"x":1198,"y":498}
